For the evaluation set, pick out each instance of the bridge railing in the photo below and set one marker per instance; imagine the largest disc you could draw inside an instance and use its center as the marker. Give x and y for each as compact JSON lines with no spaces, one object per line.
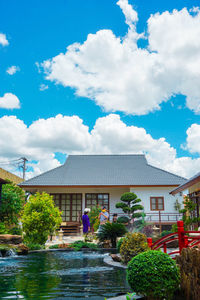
{"x":186,"y":239}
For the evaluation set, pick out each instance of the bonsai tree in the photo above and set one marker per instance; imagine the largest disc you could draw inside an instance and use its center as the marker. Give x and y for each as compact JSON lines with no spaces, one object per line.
{"x":40,"y":218}
{"x":110,"y":231}
{"x":130,"y":204}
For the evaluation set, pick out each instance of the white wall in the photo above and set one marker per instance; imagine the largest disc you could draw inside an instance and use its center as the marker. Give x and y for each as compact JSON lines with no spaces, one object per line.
{"x":144,"y":193}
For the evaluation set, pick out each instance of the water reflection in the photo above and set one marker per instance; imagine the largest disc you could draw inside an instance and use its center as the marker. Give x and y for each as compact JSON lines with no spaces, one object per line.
{"x":60,"y":275}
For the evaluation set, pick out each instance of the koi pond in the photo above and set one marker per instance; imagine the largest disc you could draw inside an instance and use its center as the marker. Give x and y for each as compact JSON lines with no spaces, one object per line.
{"x":60,"y":275}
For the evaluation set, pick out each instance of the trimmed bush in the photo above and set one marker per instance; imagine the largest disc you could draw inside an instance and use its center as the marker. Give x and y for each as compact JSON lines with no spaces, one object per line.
{"x":153,"y":274}
{"x":123,"y":220}
{"x":132,"y":245}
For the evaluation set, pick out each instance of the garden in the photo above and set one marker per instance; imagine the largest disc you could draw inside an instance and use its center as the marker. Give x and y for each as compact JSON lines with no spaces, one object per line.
{"x":81,"y":269}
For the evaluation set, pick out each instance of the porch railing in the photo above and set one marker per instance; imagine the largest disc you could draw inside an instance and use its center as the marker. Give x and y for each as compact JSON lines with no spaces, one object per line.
{"x":158,"y":217}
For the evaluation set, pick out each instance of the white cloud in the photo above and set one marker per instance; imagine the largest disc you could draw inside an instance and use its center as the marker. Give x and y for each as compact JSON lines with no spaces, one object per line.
{"x":43,"y":87}
{"x":120,"y":76}
{"x":12,"y":70}
{"x":9,"y":101}
{"x":3,"y":40}
{"x":68,"y":135}
{"x":193,"y":138}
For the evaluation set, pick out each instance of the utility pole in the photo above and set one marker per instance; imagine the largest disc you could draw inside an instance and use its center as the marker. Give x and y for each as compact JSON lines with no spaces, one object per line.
{"x":24,"y":166}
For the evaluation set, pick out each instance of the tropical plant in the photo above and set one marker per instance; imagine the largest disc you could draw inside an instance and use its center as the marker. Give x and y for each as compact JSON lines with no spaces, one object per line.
{"x":40,"y":218}
{"x":13,"y":198}
{"x":187,"y":217}
{"x":132,"y":245}
{"x":110,"y":231}
{"x":130,"y":205}
{"x":153,"y":274}
{"x":94,"y":216}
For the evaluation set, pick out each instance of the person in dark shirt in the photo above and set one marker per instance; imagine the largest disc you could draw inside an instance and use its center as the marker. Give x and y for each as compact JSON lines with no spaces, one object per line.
{"x":86,"y":222}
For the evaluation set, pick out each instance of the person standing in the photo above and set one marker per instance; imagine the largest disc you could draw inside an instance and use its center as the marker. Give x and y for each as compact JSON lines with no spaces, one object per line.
{"x":103,"y":216}
{"x":86,"y":222}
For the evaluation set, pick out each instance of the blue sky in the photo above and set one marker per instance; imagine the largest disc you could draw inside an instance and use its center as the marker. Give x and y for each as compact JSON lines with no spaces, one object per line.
{"x":157,"y":121}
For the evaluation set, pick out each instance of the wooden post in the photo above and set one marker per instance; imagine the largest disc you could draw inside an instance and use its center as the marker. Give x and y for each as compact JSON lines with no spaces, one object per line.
{"x":181,"y":240}
{"x":165,"y":248}
{"x":149,"y":241}
{"x":160,"y":222}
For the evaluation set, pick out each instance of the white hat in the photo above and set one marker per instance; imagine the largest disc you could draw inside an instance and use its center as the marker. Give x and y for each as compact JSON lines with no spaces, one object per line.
{"x":87,"y":210}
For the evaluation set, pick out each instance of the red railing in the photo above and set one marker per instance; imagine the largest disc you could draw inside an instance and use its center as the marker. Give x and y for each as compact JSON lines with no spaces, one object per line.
{"x":184,"y":238}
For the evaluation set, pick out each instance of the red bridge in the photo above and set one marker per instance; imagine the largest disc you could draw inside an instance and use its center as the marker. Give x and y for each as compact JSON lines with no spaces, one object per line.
{"x":186,"y":239}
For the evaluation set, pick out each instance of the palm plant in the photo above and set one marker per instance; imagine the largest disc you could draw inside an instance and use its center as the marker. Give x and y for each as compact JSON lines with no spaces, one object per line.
{"x":111,"y":231}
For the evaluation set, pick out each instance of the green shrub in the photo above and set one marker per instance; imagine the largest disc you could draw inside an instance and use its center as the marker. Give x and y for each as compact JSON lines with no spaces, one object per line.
{"x":78,"y":245}
{"x":54,"y":246}
{"x":3,"y":229}
{"x":40,"y":218}
{"x":123,"y":220}
{"x":119,"y":243}
{"x":13,"y":198}
{"x":153,"y":274}
{"x":32,"y":246}
{"x":96,"y":225}
{"x":94,"y":216}
{"x":165,"y":232}
{"x":110,"y":231}
{"x":132,"y":245}
{"x":15,"y":230}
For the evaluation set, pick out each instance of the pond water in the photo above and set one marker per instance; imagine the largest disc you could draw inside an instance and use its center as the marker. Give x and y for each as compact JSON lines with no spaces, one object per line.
{"x":60,"y":275}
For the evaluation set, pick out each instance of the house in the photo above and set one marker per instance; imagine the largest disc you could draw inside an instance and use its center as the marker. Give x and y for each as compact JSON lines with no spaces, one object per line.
{"x":193,"y":187}
{"x":87,"y":180}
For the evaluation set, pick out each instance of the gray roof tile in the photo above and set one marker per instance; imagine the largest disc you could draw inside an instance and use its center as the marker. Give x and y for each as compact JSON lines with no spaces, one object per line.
{"x":105,"y":170}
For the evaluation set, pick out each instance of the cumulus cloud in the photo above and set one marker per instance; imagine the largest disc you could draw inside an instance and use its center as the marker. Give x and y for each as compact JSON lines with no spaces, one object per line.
{"x":120,"y":76}
{"x":193,"y":138}
{"x":68,"y":135}
{"x":3,"y":40}
{"x":9,"y":101}
{"x":12,"y":70}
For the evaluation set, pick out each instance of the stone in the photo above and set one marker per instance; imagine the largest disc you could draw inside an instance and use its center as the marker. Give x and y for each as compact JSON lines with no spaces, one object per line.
{"x":10,"y":239}
{"x":22,"y":249}
{"x":115,"y":257}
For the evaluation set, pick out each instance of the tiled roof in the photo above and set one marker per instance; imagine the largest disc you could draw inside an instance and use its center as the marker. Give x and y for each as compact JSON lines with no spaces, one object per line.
{"x":105,"y":170}
{"x":188,"y":183}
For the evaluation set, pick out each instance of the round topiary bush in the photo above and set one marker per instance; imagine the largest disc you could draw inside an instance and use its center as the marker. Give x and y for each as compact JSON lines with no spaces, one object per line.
{"x":132,"y":245}
{"x":153,"y":274}
{"x":123,"y":220}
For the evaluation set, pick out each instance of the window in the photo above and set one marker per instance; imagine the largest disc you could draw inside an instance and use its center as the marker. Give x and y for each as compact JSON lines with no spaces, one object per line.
{"x":97,"y":199}
{"x":70,"y":205}
{"x":157,"y":203}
